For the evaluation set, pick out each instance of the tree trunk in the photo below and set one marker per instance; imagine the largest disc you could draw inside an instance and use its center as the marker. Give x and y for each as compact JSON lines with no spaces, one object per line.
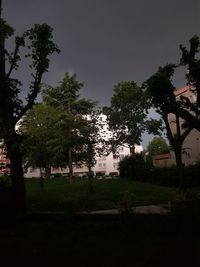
{"x":132,"y":150}
{"x":41,"y":180}
{"x":16,"y":174}
{"x":47,"y":172}
{"x":90,"y":179}
{"x":180,"y":166}
{"x":70,"y":166}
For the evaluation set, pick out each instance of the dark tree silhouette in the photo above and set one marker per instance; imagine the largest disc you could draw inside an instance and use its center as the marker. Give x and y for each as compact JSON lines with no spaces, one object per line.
{"x":39,"y":45}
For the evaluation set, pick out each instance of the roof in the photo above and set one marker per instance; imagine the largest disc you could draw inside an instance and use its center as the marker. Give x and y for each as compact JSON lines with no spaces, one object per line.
{"x":181,"y":90}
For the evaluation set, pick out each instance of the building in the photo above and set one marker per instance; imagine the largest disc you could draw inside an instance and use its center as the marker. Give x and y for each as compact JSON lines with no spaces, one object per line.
{"x":105,"y":165}
{"x":4,"y":161}
{"x":191,"y":144}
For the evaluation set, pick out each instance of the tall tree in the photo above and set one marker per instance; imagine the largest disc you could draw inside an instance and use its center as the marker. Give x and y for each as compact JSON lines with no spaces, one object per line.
{"x":92,"y":142}
{"x":38,"y":41}
{"x":189,"y":59}
{"x":162,"y":94}
{"x":186,"y":109}
{"x":65,"y":98}
{"x":127,"y":114}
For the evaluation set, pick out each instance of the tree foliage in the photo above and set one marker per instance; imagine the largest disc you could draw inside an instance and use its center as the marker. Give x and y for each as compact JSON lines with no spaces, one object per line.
{"x":127,"y":114}
{"x":75,"y":111}
{"x":162,"y":95}
{"x":158,"y":145}
{"x":40,"y":132}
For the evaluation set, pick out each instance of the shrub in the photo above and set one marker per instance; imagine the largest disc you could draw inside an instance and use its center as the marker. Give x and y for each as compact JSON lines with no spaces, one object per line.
{"x":134,"y":167}
{"x":170,"y":176}
{"x":100,"y":174}
{"x":113,"y":174}
{"x":57,"y":175}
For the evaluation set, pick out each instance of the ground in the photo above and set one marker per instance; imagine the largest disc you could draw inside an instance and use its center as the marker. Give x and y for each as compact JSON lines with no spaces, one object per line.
{"x":123,"y":240}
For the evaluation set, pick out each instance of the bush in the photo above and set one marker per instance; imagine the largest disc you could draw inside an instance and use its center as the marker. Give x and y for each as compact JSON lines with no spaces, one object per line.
{"x":134,"y":167}
{"x":113,"y":174}
{"x":165,"y":176}
{"x":100,"y":174}
{"x":57,"y":175}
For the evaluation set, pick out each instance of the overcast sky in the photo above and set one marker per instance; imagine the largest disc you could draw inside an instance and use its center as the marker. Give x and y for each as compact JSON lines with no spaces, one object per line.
{"x":108,"y":41}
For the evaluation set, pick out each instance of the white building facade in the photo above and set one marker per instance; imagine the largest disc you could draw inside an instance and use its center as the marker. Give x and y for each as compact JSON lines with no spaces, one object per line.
{"x":105,"y":165}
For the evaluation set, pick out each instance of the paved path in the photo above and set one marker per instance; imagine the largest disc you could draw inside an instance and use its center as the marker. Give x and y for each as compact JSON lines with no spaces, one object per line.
{"x":148,"y":209}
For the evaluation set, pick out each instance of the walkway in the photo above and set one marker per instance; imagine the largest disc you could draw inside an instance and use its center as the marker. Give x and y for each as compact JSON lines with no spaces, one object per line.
{"x":148,"y":209}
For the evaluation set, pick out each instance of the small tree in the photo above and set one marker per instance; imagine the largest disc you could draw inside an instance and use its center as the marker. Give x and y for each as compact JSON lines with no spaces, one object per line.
{"x":157,"y":146}
{"x":40,"y":131}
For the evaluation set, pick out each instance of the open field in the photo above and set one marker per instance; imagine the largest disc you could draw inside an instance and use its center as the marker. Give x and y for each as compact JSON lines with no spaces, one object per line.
{"x":59,"y":195}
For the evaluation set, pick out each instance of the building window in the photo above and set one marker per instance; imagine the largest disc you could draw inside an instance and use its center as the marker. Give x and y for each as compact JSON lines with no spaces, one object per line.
{"x":102,"y":158}
{"x":32,"y":169}
{"x":115,"y":156}
{"x":55,"y":168}
{"x":121,"y":148}
{"x":115,"y":165}
{"x":122,"y":157}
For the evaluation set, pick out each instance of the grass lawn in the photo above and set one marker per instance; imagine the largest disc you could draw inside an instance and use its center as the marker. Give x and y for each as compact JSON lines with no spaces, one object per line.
{"x":59,"y":195}
{"x":124,"y":240}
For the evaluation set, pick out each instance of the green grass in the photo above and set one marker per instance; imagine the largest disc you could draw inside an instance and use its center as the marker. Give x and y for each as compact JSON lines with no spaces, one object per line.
{"x":123,"y":240}
{"x":59,"y":195}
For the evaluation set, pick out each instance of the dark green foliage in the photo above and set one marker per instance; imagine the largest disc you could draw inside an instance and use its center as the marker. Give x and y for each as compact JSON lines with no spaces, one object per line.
{"x":133,"y":167}
{"x":170,"y":176}
{"x":127,"y":115}
{"x":113,"y":173}
{"x":157,"y":146}
{"x":164,"y":176}
{"x":41,"y":133}
{"x":99,"y":174}
{"x":161,"y":90}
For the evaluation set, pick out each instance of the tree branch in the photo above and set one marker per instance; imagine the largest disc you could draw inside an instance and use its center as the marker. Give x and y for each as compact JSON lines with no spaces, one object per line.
{"x":13,"y":60}
{"x":190,"y":105}
{"x":31,"y":97}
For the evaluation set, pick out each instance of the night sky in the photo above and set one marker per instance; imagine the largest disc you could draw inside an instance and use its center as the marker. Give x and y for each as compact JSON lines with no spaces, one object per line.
{"x":108,"y":41}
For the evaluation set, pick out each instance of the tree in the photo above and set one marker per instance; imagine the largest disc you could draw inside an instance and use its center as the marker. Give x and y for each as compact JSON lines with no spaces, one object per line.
{"x":38,"y":41}
{"x":185,"y":109}
{"x":161,"y":92}
{"x":92,"y":142}
{"x":188,"y":59}
{"x":127,"y":114}
{"x":65,"y":98}
{"x":39,"y":127}
{"x":157,"y":146}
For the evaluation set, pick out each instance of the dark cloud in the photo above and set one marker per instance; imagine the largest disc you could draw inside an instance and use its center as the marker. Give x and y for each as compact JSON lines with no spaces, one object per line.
{"x":107,"y":41}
